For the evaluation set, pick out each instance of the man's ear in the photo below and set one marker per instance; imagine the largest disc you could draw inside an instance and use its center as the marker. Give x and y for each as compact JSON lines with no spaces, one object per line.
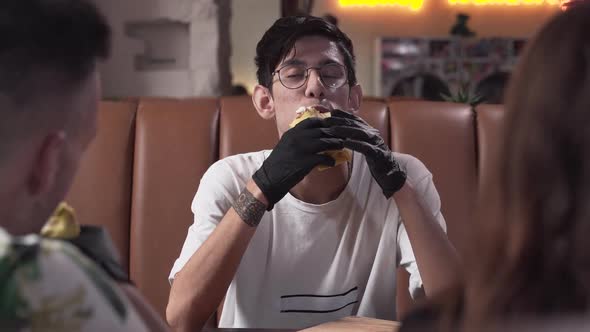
{"x":355,"y":98}
{"x":46,"y":166}
{"x":263,"y":101}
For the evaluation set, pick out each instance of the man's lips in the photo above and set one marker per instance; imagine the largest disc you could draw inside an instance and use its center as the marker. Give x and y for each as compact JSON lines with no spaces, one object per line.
{"x":321,"y":108}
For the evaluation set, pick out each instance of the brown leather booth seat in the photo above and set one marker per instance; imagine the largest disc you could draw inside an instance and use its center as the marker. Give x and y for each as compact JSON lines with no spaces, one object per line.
{"x":101,"y":192}
{"x":241,"y":130}
{"x":442,"y":136}
{"x":490,"y":119}
{"x":142,"y":171}
{"x":174,"y":146}
{"x":489,"y":132}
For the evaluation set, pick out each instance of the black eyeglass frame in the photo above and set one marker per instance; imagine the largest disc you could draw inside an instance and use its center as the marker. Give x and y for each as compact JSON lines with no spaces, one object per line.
{"x":307,"y":75}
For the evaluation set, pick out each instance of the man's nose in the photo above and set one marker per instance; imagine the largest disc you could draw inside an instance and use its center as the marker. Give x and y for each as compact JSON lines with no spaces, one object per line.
{"x":314,"y":88}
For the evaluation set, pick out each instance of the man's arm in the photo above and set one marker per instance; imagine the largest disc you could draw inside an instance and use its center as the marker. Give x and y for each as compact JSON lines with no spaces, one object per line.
{"x":202,"y":283}
{"x":436,"y":257}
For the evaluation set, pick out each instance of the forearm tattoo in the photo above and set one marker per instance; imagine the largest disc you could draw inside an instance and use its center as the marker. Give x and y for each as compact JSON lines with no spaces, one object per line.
{"x":249,"y":208}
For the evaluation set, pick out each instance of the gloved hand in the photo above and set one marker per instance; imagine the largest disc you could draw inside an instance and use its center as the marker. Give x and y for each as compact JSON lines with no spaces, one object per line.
{"x":294,"y":157}
{"x":361,"y":137}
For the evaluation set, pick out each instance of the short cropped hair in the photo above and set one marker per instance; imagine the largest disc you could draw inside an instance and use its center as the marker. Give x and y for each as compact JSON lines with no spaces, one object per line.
{"x":63,"y":37}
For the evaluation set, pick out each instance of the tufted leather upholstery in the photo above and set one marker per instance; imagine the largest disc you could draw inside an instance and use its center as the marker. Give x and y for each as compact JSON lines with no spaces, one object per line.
{"x":140,"y":174}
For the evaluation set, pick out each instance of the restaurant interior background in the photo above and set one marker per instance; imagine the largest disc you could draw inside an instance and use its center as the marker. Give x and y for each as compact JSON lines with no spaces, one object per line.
{"x":184,"y":48}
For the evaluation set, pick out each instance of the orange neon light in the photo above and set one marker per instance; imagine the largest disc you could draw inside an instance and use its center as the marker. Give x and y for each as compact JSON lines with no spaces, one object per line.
{"x":413,"y":5}
{"x":506,"y":2}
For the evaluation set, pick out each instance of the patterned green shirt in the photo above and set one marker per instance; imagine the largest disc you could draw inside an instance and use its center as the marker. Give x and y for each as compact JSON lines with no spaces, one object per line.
{"x":48,"y":285}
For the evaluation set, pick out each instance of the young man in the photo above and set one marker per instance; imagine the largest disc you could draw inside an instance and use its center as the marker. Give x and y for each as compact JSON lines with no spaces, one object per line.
{"x":283,"y":244}
{"x":49,"y":90}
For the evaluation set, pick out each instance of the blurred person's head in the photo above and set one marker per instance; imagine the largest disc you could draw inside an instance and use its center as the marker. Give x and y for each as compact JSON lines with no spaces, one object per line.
{"x":491,"y":88}
{"x":304,"y":61}
{"x":238,"y":90}
{"x":534,"y":256}
{"x":424,"y":86}
{"x":331,"y":19}
{"x":48,"y":102}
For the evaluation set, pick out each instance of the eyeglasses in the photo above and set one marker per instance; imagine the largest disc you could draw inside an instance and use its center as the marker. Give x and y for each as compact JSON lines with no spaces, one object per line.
{"x":294,"y":76}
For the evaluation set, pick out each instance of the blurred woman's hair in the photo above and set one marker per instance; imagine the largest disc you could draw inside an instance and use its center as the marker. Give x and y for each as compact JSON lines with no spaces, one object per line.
{"x":535,"y":249}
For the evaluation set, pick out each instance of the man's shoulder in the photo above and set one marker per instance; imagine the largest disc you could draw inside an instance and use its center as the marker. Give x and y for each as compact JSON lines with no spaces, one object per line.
{"x":16,"y":252}
{"x":246,"y":158}
{"x":35,"y":271}
{"x":244,"y":162}
{"x":228,"y":175}
{"x":413,"y":166}
{"x":35,"y":259}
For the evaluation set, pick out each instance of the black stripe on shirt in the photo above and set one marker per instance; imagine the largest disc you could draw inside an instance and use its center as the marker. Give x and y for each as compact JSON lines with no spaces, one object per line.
{"x":314,"y":295}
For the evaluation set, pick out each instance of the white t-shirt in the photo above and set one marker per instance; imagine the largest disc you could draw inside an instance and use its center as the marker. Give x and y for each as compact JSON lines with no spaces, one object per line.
{"x":307,"y":263}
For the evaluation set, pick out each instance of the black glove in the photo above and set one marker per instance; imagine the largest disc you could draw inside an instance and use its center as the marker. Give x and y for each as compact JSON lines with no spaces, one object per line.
{"x":294,"y":157}
{"x":361,"y":137}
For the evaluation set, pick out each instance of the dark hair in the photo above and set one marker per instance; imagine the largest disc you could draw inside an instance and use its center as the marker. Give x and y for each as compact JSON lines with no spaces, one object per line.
{"x":62,"y":37}
{"x":491,"y":88}
{"x":281,"y":37}
{"x":536,"y":257}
